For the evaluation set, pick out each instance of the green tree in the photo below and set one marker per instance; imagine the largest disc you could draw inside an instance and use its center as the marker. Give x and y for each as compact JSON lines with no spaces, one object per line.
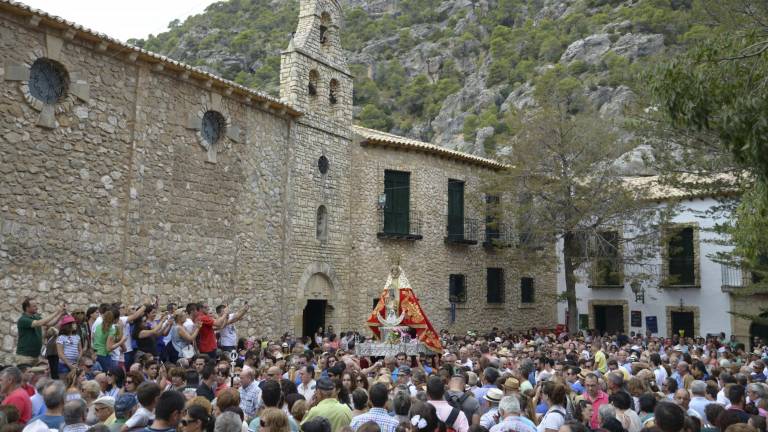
{"x":561,"y":169}
{"x":715,"y":98}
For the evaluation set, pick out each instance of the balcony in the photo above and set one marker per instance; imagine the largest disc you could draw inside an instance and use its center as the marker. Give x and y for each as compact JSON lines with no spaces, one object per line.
{"x":498,"y":235}
{"x":461,"y":230}
{"x":399,"y":226}
{"x":733,"y":278}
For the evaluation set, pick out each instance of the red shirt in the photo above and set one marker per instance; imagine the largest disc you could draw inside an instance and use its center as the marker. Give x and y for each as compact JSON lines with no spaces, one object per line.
{"x":206,"y":338}
{"x":20,"y":399}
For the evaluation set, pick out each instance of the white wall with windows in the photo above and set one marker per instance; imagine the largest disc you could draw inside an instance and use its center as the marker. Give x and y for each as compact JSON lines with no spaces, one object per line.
{"x":704,"y":302}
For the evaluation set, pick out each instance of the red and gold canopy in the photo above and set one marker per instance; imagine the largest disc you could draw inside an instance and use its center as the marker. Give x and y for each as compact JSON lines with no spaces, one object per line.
{"x":408,"y":304}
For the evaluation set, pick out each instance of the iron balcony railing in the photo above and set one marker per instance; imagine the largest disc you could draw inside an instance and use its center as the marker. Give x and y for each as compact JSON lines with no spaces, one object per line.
{"x":399,"y":226}
{"x":461,"y":230}
{"x":732,"y":277}
{"x":498,"y":235}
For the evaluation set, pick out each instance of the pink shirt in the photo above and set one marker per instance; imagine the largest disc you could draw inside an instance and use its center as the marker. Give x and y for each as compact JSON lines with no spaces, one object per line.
{"x":601,"y":399}
{"x":444,"y":409}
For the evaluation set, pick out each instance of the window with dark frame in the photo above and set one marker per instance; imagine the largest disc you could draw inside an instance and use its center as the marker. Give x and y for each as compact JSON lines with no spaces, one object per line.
{"x":680,"y":255}
{"x":455,"y":209}
{"x":526,"y":290}
{"x":495,"y":285}
{"x":457,"y":288}
{"x":397,"y":193}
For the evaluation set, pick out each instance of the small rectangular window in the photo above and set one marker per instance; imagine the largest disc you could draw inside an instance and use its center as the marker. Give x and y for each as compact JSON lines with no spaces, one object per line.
{"x":526,"y":290}
{"x":495,"y":285}
{"x":457,"y":288}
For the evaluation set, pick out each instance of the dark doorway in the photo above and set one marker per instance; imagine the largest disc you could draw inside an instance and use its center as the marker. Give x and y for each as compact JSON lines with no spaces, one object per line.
{"x":682,"y":321}
{"x":609,"y":319}
{"x":759,"y":330}
{"x":314,"y":316}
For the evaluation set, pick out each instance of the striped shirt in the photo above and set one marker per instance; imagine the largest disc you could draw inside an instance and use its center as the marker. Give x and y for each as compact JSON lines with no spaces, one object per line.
{"x":70,"y":345}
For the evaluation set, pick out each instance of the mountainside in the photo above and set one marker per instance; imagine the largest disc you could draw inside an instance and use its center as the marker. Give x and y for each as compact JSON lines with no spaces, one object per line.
{"x":449,"y":72}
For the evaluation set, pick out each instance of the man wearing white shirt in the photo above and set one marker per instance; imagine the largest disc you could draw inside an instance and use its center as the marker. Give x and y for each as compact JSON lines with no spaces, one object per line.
{"x":307,"y":386}
{"x":699,"y":399}
{"x":658,"y":370}
{"x":228,"y":333}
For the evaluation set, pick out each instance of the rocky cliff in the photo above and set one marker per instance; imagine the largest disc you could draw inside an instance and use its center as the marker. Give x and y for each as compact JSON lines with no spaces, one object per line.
{"x":449,"y":72}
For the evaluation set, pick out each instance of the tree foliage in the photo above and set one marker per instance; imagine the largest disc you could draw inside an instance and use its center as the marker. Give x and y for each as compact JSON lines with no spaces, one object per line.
{"x":562,"y":173}
{"x":715,"y":97}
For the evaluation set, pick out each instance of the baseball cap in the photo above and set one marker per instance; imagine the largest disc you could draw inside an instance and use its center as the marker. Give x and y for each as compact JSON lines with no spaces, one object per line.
{"x":124,"y":403}
{"x":325,"y":384}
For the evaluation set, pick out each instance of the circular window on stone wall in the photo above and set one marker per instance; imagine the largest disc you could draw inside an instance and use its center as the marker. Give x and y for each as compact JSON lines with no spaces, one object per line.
{"x":322,"y":164}
{"x":213,"y":126}
{"x":48,"y":81}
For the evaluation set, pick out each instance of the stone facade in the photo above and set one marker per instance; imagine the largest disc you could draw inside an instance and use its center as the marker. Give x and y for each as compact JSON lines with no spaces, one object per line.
{"x":121,"y":189}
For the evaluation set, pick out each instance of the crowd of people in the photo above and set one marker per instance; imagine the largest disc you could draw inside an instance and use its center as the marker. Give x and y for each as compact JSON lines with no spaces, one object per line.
{"x":115,"y":368}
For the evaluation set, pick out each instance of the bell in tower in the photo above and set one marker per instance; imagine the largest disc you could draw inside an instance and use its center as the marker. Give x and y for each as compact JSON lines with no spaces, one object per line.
{"x":314,"y":77}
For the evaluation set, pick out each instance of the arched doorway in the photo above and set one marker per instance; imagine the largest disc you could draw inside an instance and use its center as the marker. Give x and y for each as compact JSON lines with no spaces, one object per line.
{"x":317,"y":300}
{"x":316,"y":310}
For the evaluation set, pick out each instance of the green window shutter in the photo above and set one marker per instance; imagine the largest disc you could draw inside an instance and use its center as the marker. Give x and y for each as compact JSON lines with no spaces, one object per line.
{"x":456,"y":209}
{"x":397,"y":189}
{"x":681,"y":257}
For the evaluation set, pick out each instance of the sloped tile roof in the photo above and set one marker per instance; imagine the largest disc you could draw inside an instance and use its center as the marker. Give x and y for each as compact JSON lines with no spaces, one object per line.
{"x":375,"y":137}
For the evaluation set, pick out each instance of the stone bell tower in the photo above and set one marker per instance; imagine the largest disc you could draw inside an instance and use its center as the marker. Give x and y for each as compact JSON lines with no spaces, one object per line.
{"x":314,"y":76}
{"x":315,"y":79}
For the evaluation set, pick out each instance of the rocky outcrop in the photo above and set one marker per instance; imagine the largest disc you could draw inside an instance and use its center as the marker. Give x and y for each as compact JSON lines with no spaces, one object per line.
{"x":589,"y":50}
{"x":633,"y":46}
{"x":636,"y":162}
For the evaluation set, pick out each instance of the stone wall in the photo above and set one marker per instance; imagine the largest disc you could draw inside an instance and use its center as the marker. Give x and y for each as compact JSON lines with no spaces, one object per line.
{"x":429,"y":262}
{"x":117,"y":192}
{"x":120,"y":198}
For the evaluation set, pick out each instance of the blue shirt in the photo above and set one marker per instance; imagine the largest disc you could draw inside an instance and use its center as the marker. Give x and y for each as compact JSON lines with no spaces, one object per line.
{"x":53,"y":422}
{"x":577,"y":387}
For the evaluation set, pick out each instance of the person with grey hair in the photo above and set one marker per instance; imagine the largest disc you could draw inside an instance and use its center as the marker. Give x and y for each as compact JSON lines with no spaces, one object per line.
{"x":756,"y":392}
{"x":74,"y":416}
{"x":53,"y":396}
{"x":510,"y":418}
{"x":605,"y":412}
{"x":699,"y":399}
{"x":228,"y":422}
{"x":10,"y":385}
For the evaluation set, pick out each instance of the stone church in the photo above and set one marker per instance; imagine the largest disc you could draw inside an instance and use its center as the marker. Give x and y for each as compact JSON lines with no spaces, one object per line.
{"x":127,"y":174}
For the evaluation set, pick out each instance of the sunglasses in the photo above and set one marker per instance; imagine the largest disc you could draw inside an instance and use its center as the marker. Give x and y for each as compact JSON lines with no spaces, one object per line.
{"x":185,"y":422}
{"x":129,"y":382}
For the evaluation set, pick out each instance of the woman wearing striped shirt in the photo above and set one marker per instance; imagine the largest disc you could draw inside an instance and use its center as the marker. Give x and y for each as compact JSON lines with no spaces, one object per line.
{"x":68,"y":344}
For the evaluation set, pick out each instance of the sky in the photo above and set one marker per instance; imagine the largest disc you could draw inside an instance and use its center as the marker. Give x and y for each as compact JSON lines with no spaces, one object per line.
{"x":122,"y":19}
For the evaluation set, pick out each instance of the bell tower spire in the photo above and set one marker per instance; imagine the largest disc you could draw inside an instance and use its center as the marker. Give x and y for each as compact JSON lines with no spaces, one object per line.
{"x":314,"y":76}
